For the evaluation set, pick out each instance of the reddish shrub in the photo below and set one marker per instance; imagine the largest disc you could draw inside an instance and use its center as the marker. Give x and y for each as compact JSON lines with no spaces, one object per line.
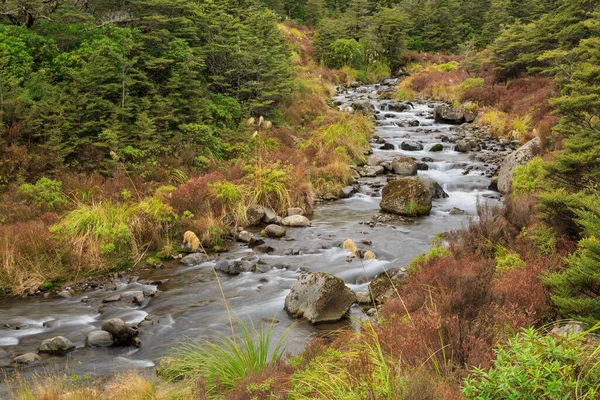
{"x":192,"y":196}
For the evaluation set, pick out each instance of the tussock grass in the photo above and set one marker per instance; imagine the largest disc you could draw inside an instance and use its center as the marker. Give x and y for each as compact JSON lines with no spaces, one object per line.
{"x":228,"y":360}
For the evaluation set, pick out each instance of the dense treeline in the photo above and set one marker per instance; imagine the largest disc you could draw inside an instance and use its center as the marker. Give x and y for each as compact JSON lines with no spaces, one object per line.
{"x":80,"y":82}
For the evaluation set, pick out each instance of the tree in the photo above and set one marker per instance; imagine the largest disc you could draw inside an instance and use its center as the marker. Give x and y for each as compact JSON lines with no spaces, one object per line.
{"x":345,"y":52}
{"x":390,"y":28}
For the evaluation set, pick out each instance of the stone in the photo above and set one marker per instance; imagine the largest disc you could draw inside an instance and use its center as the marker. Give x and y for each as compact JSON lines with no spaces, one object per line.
{"x":294,"y":211}
{"x":274,"y":231}
{"x":263,"y":249}
{"x":112,"y":298}
{"x":572,"y":328}
{"x":27,"y":359}
{"x":56,"y":345}
{"x":194,"y":259}
{"x":469,"y":110}
{"x":244,"y":236}
{"x":65,"y":294}
{"x":296,"y":221}
{"x":122,"y":334}
{"x":523,"y":155}
{"x":347,"y":192}
{"x":381,"y":286}
{"x":407,"y":197}
{"x":99,"y":339}
{"x":462,"y":146}
{"x":374,"y":160}
{"x":51,"y":324}
{"x":255,"y":214}
{"x":138,"y":298}
{"x":364,"y":107}
{"x":371,"y":172}
{"x":404,"y":166}
{"x":427,"y":159}
{"x":457,"y":211}
{"x":411,"y":146}
{"x":437,"y":192}
{"x":388,"y":146}
{"x":448,"y":115}
{"x":369,"y":255}
{"x":422,"y":166}
{"x":319,"y":297}
{"x":437,"y":147}
{"x":270,"y":216}
{"x":363,"y":297}
{"x":255,"y":242}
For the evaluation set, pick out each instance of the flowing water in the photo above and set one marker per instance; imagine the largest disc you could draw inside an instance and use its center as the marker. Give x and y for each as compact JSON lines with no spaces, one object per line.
{"x":190,"y":305}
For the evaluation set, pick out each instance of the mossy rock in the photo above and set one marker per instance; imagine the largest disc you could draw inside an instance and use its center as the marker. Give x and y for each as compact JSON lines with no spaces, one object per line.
{"x":437,"y":147}
{"x":407,"y":197}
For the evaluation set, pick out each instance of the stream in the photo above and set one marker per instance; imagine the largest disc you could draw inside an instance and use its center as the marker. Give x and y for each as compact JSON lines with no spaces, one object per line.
{"x":189,"y":305}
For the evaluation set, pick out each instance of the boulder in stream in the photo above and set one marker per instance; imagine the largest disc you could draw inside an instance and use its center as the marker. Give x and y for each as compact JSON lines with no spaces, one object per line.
{"x":122,"y":334}
{"x":194,"y":259}
{"x":319,"y":297}
{"x":411,"y":146}
{"x":99,"y":339}
{"x":296,"y":221}
{"x":255,"y":214}
{"x":27,"y":359}
{"x":274,"y":231}
{"x":404,"y":166}
{"x":522,"y":156}
{"x":57,"y":345}
{"x":407,"y":197}
{"x":448,"y":115}
{"x":437,"y":192}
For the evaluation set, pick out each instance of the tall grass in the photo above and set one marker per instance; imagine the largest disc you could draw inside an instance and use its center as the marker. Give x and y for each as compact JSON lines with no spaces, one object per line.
{"x":228,"y":360}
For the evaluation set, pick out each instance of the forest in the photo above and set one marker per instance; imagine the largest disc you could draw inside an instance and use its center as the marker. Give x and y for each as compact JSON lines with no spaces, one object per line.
{"x":125,"y":124}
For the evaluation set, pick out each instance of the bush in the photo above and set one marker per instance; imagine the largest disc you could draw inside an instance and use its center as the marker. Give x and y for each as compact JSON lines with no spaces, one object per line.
{"x":45,"y":193}
{"x":507,"y":261}
{"x":534,"y":366}
{"x":345,"y":52}
{"x":529,"y":178}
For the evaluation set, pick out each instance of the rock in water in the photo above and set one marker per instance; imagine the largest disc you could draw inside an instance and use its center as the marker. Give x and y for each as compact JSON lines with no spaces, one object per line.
{"x":404,"y":166}
{"x":405,"y":196}
{"x":522,"y":156}
{"x":123,"y":335}
{"x":270,"y":216}
{"x":274,"y":231}
{"x":448,"y":115}
{"x":437,"y":147}
{"x":255,"y":214}
{"x":462,"y":146}
{"x":374,"y":160}
{"x":244,"y":236}
{"x":27,"y":358}
{"x":194,"y":259}
{"x":364,"y":107}
{"x":369,"y":255}
{"x":319,"y":297}
{"x":294,"y":211}
{"x":411,"y":146}
{"x":437,"y":192}
{"x":56,"y":345}
{"x":296,"y":220}
{"x":99,"y":339}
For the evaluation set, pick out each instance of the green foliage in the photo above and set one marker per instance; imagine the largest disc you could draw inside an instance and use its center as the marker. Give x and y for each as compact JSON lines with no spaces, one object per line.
{"x":507,"y":261}
{"x":536,"y":366}
{"x":268,"y":185}
{"x":471,"y":83}
{"x":345,"y":52}
{"x":576,"y":289}
{"x":45,"y":193}
{"x":529,"y":178}
{"x":434,"y":253}
{"x":227,"y":361}
{"x":543,"y":237}
{"x":447,"y":67}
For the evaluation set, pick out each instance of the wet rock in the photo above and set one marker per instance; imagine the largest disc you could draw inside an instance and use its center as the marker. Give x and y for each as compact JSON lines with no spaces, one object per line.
{"x":363,"y":297}
{"x":388,"y":146}
{"x":51,"y":324}
{"x":150,"y":292}
{"x":138,"y":298}
{"x":369,"y":255}
{"x":296,"y":221}
{"x":122,"y":334}
{"x":385,"y":284}
{"x":112,"y":298}
{"x":371,"y":172}
{"x":404,"y":166}
{"x":57,"y":345}
{"x":99,"y":339}
{"x":407,"y":197}
{"x":319,"y":297}
{"x":427,"y":159}
{"x":437,"y":192}
{"x":348,"y":191}
{"x":255,"y":214}
{"x":364,"y":107}
{"x":411,"y":146}
{"x":457,"y":211}
{"x":374,"y":160}
{"x":65,"y":294}
{"x":244,"y":236}
{"x":255,"y":242}
{"x":263,"y":249}
{"x":274,"y":231}
{"x":469,"y":110}
{"x":294,"y":211}
{"x":448,"y":115}
{"x":270,"y":216}
{"x":437,"y":147}
{"x":422,"y":166}
{"x":27,"y":359}
{"x":522,"y":156}
{"x":194,"y":259}
{"x":463,"y":146}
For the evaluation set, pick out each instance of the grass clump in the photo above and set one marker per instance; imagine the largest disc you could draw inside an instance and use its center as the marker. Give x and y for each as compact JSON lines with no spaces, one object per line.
{"x":229,"y":360}
{"x":536,"y":366}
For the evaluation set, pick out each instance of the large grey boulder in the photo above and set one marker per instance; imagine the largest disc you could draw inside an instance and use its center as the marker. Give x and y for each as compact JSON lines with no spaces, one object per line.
{"x":319,"y":297}
{"x":364,"y":107}
{"x":448,"y":115}
{"x":296,"y":220}
{"x":270,"y":216}
{"x":469,"y":110}
{"x":374,"y":160}
{"x":404,"y":166}
{"x":409,"y":145}
{"x":56,"y":345}
{"x":522,"y":156}
{"x":255,"y":214}
{"x":437,"y":192}
{"x":274,"y":231}
{"x":99,"y":339}
{"x":122,"y":334}
{"x":463,"y":146}
{"x":407,"y":197}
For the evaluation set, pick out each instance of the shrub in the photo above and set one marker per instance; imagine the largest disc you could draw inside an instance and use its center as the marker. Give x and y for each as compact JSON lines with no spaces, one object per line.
{"x":507,"y":261}
{"x":529,"y":178}
{"x":227,"y":361}
{"x":344,"y":52}
{"x":534,"y":366}
{"x":45,"y":193}
{"x":447,"y":67}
